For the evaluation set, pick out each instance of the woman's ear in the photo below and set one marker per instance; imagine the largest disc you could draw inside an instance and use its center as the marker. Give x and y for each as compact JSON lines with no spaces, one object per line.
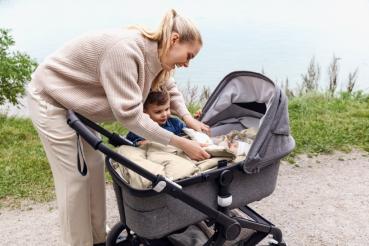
{"x":174,"y":37}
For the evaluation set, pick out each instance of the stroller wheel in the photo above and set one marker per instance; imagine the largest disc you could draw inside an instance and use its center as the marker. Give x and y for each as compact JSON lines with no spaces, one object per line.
{"x":117,"y":236}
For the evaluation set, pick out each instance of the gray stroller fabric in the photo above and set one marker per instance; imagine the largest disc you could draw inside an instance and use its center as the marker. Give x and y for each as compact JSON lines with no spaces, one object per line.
{"x":192,"y":236}
{"x":154,"y":216}
{"x":274,"y":140}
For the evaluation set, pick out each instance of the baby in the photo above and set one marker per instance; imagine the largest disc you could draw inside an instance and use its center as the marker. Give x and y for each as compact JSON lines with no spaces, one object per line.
{"x":237,"y":142}
{"x":157,"y":106}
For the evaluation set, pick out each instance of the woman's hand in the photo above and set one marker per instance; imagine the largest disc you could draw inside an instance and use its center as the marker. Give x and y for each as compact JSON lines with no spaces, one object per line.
{"x":191,"y":148}
{"x":196,"y":125}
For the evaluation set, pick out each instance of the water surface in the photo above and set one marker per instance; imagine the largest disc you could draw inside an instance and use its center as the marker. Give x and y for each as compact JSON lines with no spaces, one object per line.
{"x":275,"y":37}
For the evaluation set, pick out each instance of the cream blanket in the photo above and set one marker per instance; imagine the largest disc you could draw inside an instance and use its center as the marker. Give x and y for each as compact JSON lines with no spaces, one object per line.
{"x":174,"y":164}
{"x":168,"y":161}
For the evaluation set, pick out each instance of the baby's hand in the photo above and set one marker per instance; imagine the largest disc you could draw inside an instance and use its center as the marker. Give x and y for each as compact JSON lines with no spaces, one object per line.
{"x":197,"y":114}
{"x":140,"y":143}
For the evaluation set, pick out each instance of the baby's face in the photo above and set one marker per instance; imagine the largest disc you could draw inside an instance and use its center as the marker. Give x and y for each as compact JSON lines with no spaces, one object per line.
{"x":158,"y":113}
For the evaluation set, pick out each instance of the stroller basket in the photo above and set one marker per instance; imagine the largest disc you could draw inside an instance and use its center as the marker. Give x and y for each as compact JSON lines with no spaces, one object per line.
{"x":241,"y":100}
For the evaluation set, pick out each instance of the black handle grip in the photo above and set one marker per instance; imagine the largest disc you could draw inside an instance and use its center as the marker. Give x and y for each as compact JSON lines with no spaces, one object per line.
{"x":74,"y":122}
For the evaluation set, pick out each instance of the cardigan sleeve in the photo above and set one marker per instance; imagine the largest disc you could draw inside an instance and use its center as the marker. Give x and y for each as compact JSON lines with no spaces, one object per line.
{"x":177,"y":103}
{"x":119,"y":70}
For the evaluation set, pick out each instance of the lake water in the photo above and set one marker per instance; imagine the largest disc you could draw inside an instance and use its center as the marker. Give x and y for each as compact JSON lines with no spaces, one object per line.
{"x":276,"y":37}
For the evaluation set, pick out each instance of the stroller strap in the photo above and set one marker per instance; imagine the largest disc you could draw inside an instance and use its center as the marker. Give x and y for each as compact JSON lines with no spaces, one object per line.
{"x":82,"y":170}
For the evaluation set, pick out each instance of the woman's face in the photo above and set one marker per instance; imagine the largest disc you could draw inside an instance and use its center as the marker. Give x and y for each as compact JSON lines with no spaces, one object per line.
{"x":179,"y":54}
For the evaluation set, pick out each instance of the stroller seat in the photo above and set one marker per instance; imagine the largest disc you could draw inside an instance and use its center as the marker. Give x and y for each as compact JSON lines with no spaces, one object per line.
{"x":153,"y":215}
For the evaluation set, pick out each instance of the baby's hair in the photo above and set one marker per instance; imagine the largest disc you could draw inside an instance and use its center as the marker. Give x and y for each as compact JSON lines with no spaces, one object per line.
{"x":157,"y":97}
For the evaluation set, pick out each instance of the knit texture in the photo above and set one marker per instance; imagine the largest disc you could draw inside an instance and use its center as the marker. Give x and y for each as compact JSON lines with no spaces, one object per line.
{"x":107,"y":76}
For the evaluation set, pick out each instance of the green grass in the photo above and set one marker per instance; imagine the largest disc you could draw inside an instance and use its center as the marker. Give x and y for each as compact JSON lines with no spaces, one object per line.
{"x":24,"y":170}
{"x":319,"y":124}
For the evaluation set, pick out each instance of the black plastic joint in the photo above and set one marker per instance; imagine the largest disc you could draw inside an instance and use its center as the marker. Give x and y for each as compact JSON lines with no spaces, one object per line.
{"x":222,"y":163}
{"x":226,"y":178}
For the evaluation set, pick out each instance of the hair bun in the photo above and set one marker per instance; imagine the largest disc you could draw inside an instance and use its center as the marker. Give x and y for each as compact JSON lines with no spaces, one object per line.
{"x":174,"y":13}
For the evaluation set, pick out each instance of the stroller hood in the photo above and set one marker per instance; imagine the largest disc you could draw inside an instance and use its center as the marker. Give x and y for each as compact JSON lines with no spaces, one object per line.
{"x":247,"y":99}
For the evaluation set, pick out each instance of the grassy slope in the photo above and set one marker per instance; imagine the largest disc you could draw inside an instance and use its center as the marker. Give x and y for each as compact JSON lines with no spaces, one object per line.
{"x":24,"y":171}
{"x":323,"y":124}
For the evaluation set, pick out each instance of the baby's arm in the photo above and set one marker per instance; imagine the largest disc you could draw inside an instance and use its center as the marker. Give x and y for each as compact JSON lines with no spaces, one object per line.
{"x":135,"y":139}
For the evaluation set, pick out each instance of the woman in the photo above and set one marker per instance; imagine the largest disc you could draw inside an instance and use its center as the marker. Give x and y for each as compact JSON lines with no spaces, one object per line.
{"x":106,"y":76}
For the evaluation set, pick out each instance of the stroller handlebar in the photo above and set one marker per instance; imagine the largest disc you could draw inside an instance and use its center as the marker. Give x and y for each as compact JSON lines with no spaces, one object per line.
{"x":75,"y":122}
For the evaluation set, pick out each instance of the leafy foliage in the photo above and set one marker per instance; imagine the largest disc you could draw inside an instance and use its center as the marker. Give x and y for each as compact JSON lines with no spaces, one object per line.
{"x":15,"y":69}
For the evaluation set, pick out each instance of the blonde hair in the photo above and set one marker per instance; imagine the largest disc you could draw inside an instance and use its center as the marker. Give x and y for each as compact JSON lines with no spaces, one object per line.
{"x":172,"y":22}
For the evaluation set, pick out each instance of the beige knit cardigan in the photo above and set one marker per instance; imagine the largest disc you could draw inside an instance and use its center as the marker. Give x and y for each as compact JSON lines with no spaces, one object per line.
{"x":107,"y":76}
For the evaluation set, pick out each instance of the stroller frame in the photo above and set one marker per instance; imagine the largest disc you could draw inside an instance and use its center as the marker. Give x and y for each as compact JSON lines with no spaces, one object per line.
{"x":227,"y":227}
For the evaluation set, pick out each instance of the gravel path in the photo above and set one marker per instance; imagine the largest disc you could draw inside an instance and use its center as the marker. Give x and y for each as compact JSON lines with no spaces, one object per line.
{"x":322,"y":200}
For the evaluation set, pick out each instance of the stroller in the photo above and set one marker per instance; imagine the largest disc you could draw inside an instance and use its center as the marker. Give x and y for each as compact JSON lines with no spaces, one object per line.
{"x":241,"y":100}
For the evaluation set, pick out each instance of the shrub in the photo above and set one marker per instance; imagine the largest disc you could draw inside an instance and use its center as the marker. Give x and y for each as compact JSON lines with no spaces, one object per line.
{"x":333,"y":75}
{"x":15,"y":70}
{"x":310,"y":80}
